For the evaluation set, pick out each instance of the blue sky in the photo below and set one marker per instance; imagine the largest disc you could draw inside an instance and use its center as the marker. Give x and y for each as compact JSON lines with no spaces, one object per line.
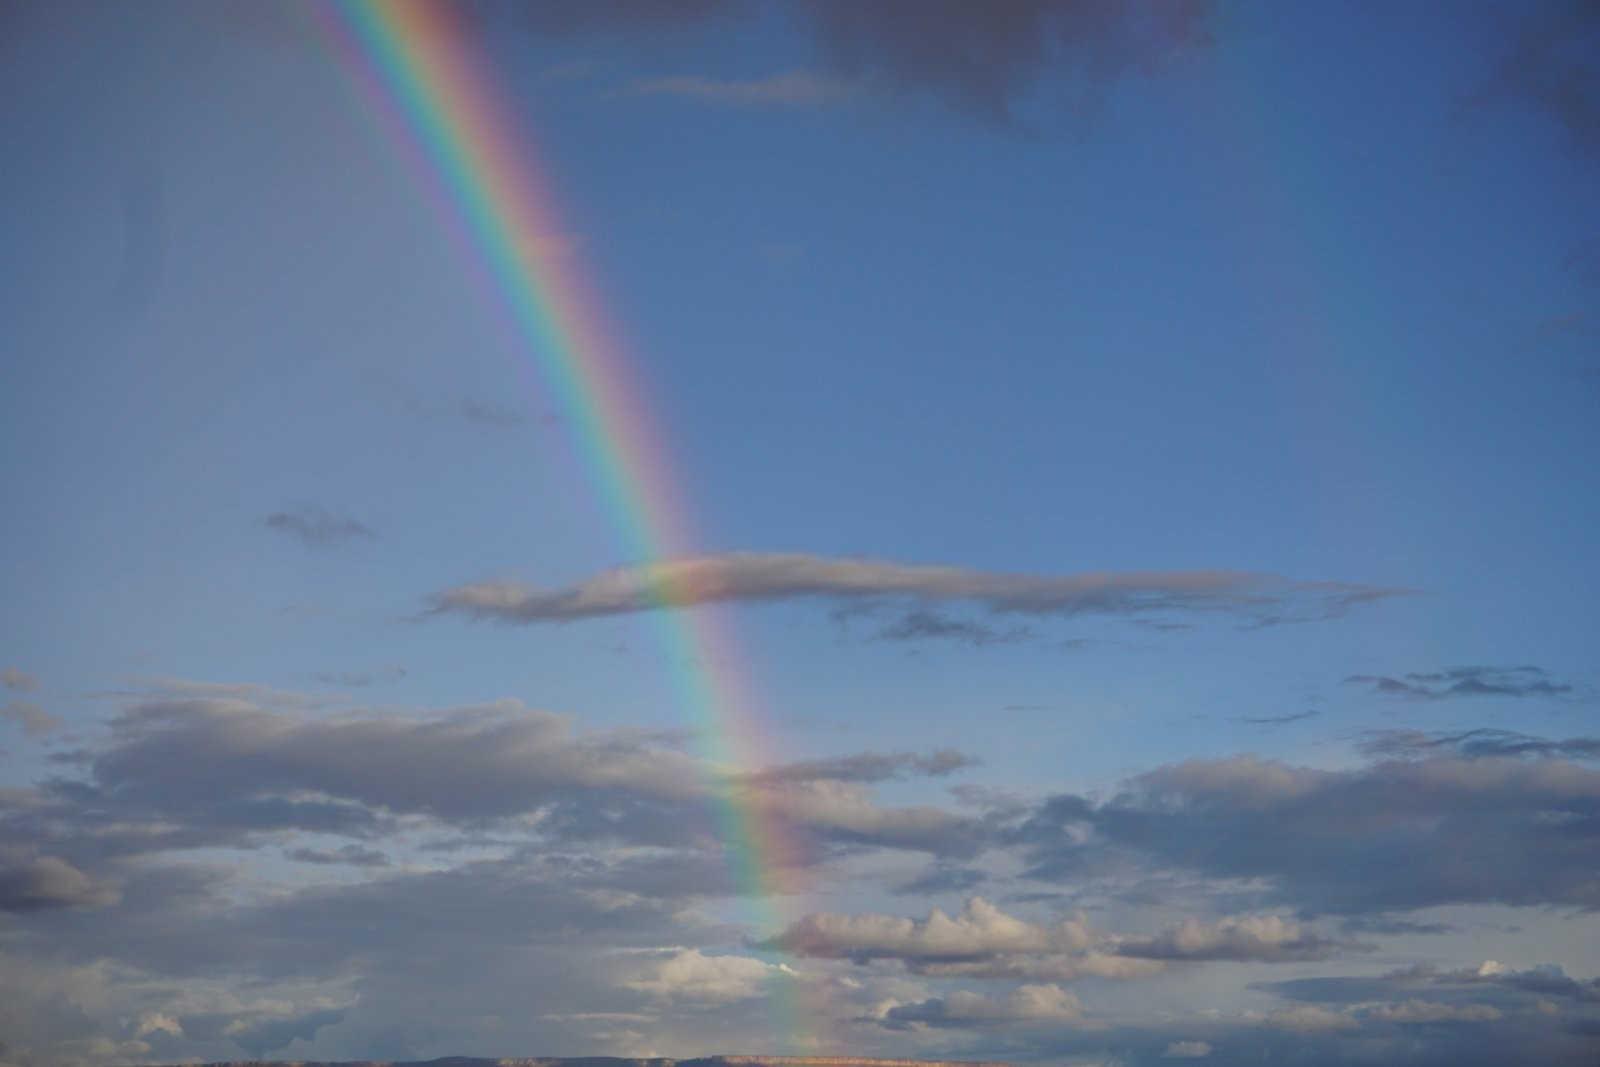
{"x":1030,"y":292}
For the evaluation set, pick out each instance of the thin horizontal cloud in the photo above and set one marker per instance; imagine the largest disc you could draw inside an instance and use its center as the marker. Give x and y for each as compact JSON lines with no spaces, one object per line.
{"x":868,"y":767}
{"x":1278,"y":720}
{"x":1465,"y":682}
{"x":318,"y":528}
{"x":751,"y":577}
{"x":1476,"y":744}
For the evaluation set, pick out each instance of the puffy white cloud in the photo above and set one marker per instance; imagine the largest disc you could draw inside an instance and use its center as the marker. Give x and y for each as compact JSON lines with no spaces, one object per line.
{"x":979,"y":930}
{"x":690,"y":975}
{"x":1266,"y":938}
{"x":1187,"y":1050}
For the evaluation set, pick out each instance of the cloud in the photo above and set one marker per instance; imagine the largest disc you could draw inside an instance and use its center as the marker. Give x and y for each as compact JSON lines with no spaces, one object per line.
{"x":1255,"y":599}
{"x":491,"y":415}
{"x":1025,"y":1004}
{"x":1308,"y":1019}
{"x":925,"y":625}
{"x":318,"y":528}
{"x":1259,"y":938}
{"x":18,"y":680}
{"x":791,"y":89}
{"x":1390,"y":837}
{"x":34,"y":720}
{"x":942,"y":878}
{"x":1431,"y":1012}
{"x":1279,"y":720}
{"x":361,"y":679}
{"x":688,"y":974}
{"x":1482,"y":743}
{"x":1465,"y":682}
{"x":981,"y":941}
{"x":982,"y":58}
{"x":267,"y":1035}
{"x":1187,"y":1050}
{"x":869,"y":767}
{"x":39,"y":883}
{"x":980,"y":930}
{"x":1547,"y":68}
{"x":349,"y":855}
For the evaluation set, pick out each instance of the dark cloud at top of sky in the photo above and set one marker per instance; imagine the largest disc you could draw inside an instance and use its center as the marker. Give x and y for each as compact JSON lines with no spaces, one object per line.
{"x":1548,"y":67}
{"x":1255,"y":599}
{"x":560,"y":17}
{"x":1476,"y":744}
{"x":318,"y":527}
{"x":1465,"y":682}
{"x":981,"y":58}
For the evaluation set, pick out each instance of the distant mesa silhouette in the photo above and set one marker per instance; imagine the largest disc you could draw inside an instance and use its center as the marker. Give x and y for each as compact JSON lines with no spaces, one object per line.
{"x":619,"y":1061}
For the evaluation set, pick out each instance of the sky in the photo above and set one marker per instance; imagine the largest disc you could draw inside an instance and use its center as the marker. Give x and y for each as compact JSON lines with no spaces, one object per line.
{"x":1131,"y":596}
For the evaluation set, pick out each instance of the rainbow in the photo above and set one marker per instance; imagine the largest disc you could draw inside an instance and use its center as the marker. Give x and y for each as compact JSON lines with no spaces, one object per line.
{"x":433,"y":92}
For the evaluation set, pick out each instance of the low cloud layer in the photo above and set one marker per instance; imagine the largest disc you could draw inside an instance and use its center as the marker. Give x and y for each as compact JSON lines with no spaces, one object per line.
{"x":1251,"y":599}
{"x":1392,"y":836}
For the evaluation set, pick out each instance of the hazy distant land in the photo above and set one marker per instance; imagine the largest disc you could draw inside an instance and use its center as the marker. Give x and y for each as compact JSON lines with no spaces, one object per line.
{"x":617,"y":1061}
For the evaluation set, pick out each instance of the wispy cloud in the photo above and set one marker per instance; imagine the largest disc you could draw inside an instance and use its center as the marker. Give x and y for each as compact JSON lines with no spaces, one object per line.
{"x":18,"y":680}
{"x":1465,"y":682}
{"x":1256,"y":599}
{"x":317,"y":527}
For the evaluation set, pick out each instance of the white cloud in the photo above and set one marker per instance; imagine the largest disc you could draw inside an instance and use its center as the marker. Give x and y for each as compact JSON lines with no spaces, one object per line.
{"x":688,"y":974}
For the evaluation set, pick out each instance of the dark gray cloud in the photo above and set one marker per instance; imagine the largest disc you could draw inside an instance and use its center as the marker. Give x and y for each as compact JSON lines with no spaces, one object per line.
{"x":1465,"y":682}
{"x":345,"y":855}
{"x":37,"y":883}
{"x":925,"y":625}
{"x":269,"y":1035}
{"x":982,"y":58}
{"x":1547,"y":68}
{"x":869,"y":767}
{"x":1035,"y":1004}
{"x":1279,"y":720}
{"x":318,"y":527}
{"x":1259,"y":938}
{"x":1482,"y":743}
{"x":942,"y":878}
{"x":1391,"y":837}
{"x":1254,"y":599}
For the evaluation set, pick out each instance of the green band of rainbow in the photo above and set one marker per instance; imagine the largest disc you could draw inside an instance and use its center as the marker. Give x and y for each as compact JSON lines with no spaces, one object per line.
{"x":432,"y":89}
